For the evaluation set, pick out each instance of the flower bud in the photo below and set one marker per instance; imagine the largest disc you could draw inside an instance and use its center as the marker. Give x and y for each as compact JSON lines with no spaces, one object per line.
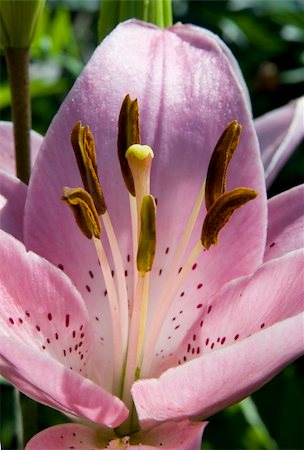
{"x":18,"y":22}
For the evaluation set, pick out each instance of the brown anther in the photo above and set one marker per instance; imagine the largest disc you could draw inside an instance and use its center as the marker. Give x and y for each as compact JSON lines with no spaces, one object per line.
{"x":128,"y":134}
{"x":221,"y":211}
{"x":84,"y":148}
{"x":82,"y":205}
{"x":219,"y":162}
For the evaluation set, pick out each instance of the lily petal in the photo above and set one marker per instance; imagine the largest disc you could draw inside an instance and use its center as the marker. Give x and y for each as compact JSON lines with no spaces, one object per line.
{"x":12,"y":200}
{"x":172,"y":436}
{"x":254,"y":324}
{"x":7,"y":154}
{"x":279,"y":133}
{"x":41,"y":315}
{"x":285,"y":223}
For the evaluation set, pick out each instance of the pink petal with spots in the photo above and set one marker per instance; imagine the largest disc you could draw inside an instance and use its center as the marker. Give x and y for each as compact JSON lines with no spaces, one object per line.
{"x":12,"y":200}
{"x":241,"y":308}
{"x":183,"y":114}
{"x":46,"y":342}
{"x":226,"y":342}
{"x":216,"y":380}
{"x":285,"y":223}
{"x":171,"y":436}
{"x":279,"y":133}
{"x":68,"y":436}
{"x":7,"y":154}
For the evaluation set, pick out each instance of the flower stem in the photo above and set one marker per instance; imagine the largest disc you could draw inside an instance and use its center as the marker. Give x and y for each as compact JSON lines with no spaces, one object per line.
{"x":17,"y":60}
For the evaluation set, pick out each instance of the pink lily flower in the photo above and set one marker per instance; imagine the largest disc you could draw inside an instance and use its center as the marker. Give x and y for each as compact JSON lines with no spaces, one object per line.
{"x":219,"y":323}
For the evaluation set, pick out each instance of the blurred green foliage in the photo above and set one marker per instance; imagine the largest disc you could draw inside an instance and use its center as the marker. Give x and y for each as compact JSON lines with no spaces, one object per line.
{"x":267,"y":37}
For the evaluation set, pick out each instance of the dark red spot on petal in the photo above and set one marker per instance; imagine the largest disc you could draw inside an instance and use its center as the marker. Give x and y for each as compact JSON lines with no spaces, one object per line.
{"x":11,"y":320}
{"x":212,"y":345}
{"x":180,"y":269}
{"x":37,"y":328}
{"x":262,"y":326}
{"x":56,"y":336}
{"x":20,"y":320}
{"x":27,"y":314}
{"x":167,"y":250}
{"x":74,"y":334}
{"x":50,"y":316}
{"x":207,"y":341}
{"x":60,"y":266}
{"x":199,"y":286}
{"x":236,"y":337}
{"x":209,"y":309}
{"x":272,"y":245}
{"x":67,"y":320}
{"x":128,"y":258}
{"x":194,"y":266}
{"x":88,"y":288}
{"x":160,"y":272}
{"x":223,"y":340}
{"x":189,"y":348}
{"x":91,"y":274}
{"x":199,"y":305}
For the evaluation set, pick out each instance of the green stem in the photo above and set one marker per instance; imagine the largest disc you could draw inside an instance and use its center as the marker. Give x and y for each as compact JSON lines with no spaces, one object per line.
{"x":29,"y":410}
{"x":18,"y":73}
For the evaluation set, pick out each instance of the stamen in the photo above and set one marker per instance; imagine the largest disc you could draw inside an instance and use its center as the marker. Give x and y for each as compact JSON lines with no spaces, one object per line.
{"x":221,"y":211}
{"x":84,"y":148}
{"x":219,"y":162}
{"x":220,"y":206}
{"x":82,"y":205}
{"x":121,"y":283}
{"x":115,"y":315}
{"x":128,"y":134}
